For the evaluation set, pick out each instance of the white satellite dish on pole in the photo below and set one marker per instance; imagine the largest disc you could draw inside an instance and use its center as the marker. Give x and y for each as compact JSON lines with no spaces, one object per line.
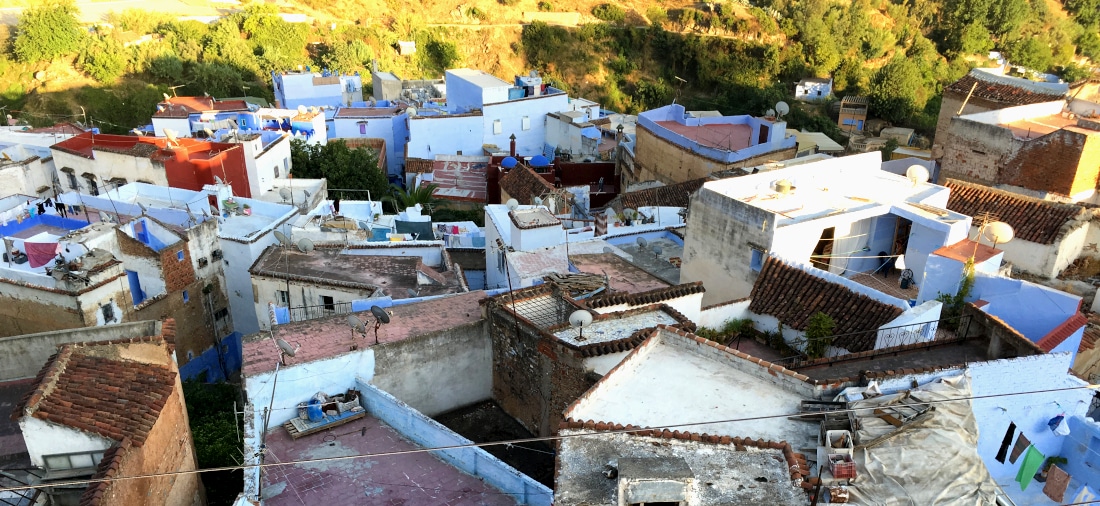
{"x":579,"y":320}
{"x":512,"y":204}
{"x":171,"y":135}
{"x":781,"y":108}
{"x":998,"y":232}
{"x":305,"y":245}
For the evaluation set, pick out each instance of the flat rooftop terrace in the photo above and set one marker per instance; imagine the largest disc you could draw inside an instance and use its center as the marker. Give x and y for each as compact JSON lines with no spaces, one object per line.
{"x":460,"y":180}
{"x":725,"y":136}
{"x":1037,"y":127}
{"x":330,"y":337}
{"x":664,"y":266}
{"x":624,"y":276}
{"x":405,"y":479}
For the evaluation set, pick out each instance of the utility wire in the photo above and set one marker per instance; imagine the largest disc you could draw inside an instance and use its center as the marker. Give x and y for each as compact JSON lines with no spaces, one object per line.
{"x":559,"y":437}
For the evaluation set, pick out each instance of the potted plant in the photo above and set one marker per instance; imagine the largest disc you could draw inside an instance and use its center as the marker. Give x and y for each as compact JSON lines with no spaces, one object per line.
{"x":247,"y":210}
{"x":1061,"y":461}
{"x":376,"y":216}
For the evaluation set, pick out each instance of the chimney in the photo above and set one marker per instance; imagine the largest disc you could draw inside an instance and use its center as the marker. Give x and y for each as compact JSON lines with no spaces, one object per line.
{"x":512,"y":146}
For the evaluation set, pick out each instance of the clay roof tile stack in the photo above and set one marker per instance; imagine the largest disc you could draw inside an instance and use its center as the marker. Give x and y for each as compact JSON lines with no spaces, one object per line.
{"x":989,"y":88}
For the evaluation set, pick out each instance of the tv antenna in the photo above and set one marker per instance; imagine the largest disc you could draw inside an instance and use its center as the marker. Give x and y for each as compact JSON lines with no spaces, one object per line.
{"x":579,"y":320}
{"x":305,"y":245}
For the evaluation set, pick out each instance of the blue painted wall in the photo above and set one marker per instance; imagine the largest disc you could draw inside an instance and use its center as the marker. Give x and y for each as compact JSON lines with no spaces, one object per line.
{"x":428,"y":433}
{"x":1082,"y":449}
{"x":208,"y":361}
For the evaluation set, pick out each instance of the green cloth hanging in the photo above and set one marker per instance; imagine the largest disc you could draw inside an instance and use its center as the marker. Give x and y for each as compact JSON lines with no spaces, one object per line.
{"x":1032,"y":461}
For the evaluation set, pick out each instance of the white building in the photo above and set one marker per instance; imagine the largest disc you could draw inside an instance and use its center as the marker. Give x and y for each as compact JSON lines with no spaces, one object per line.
{"x":266,"y":157}
{"x":483,"y":113}
{"x":320,"y":89}
{"x":813,"y":89}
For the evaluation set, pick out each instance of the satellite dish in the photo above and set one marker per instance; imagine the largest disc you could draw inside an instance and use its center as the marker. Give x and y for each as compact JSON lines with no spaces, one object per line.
{"x":306,"y":193}
{"x":770,"y":113}
{"x":285,"y":194}
{"x":999,"y":232}
{"x":218,"y":180}
{"x":380,"y":314}
{"x":918,"y":174}
{"x":356,"y":324}
{"x":642,"y":242}
{"x":171,"y":136}
{"x":579,"y":320}
{"x":411,"y":111}
{"x":657,"y":250}
{"x":305,"y":245}
{"x":512,"y":204}
{"x":283,"y":239}
{"x":209,"y":133}
{"x":781,"y":108}
{"x":302,"y":109}
{"x":136,"y":131}
{"x":166,"y":97}
{"x":143,"y":209}
{"x":537,"y":201}
{"x":412,"y":293}
{"x":607,"y":249}
{"x":286,"y":348}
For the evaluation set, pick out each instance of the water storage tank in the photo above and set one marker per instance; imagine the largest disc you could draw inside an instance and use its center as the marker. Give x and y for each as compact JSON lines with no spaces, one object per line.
{"x":313,"y":411}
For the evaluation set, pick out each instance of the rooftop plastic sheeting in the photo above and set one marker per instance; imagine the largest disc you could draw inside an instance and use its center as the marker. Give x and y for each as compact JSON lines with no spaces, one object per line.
{"x":935,"y":462}
{"x":539,"y":161}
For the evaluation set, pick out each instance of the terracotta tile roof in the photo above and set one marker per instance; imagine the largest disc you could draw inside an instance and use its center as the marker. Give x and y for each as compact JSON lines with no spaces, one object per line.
{"x":1034,"y":220}
{"x":1001,"y":89}
{"x":1062,"y":331}
{"x":79,"y":387}
{"x":108,"y":468}
{"x":673,"y":195}
{"x":418,"y":166}
{"x":524,"y":184}
{"x":182,"y":107}
{"x":793,"y":295}
{"x":647,"y":297}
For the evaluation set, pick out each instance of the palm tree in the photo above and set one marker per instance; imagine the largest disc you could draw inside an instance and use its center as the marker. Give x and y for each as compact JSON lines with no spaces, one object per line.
{"x":424,"y":195}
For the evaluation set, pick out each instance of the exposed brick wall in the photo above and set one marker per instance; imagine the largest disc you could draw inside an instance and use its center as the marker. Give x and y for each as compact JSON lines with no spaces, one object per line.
{"x":1053,"y":163}
{"x":133,"y":247}
{"x":177,"y":273}
{"x":534,"y":377}
{"x":194,"y":332}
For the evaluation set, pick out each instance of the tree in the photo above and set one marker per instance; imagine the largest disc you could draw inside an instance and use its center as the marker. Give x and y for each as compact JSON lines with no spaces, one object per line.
{"x":897,"y":90}
{"x":346,"y":57}
{"x":1032,"y":53}
{"x":214,"y":428}
{"x":343,"y":167}
{"x":47,"y":32}
{"x":819,"y":332}
{"x":104,"y":59}
{"x":281,"y":45}
{"x":424,"y":195}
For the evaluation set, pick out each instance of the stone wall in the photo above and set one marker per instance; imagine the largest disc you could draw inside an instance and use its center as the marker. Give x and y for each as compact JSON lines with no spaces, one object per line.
{"x":1063,"y":162}
{"x":949,"y":108}
{"x":22,"y":356}
{"x":973,"y":151}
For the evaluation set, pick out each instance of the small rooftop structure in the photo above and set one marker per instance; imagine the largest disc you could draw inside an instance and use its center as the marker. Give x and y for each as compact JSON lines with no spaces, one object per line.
{"x":994,"y":86}
{"x":523,"y":184}
{"x":725,"y":139}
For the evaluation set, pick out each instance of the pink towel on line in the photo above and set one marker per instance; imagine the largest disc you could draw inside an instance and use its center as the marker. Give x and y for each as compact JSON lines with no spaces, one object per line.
{"x":40,"y":253}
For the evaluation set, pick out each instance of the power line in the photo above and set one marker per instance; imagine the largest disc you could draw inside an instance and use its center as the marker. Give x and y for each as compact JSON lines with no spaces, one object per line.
{"x":559,"y":437}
